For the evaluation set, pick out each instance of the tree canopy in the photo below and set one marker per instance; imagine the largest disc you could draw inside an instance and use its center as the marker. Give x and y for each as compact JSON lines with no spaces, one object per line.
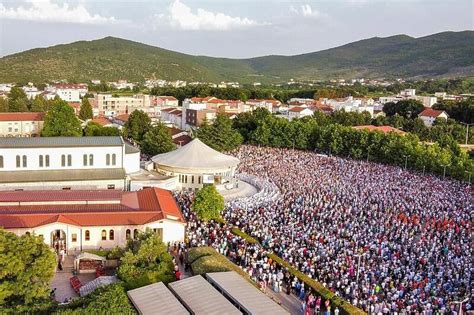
{"x":60,"y":121}
{"x":137,"y":125}
{"x":27,"y":266}
{"x":93,"y":129}
{"x":85,"y":112}
{"x":146,"y":261}
{"x":157,"y":140}
{"x":17,"y":100}
{"x":404,"y":108}
{"x":220,"y":135}
{"x":208,"y":203}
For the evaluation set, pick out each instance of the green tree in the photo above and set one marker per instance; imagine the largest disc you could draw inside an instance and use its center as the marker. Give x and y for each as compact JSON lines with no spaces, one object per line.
{"x":18,"y":102}
{"x":157,"y":140}
{"x":40,"y":104}
{"x":404,"y":108}
{"x":220,"y":135}
{"x":3,"y":105}
{"x":27,"y":266}
{"x":60,"y":121}
{"x":85,"y":112}
{"x":137,"y":125}
{"x":208,"y":203}
{"x":146,"y":262}
{"x":93,"y":129}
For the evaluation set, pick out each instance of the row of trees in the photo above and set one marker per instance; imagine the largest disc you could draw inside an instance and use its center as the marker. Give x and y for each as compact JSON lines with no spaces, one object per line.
{"x":323,"y":134}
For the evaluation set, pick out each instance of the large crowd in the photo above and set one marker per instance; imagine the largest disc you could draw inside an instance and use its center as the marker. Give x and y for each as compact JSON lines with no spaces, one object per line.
{"x":385,"y":239}
{"x":377,"y":235}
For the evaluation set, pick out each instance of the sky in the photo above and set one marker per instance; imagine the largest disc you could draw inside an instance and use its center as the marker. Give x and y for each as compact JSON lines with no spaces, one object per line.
{"x":226,"y":28}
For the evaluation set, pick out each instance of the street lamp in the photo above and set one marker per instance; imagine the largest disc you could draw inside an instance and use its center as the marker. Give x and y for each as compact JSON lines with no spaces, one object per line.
{"x":444,"y":169}
{"x":469,"y":176}
{"x":406,"y":160}
{"x":467,"y":130}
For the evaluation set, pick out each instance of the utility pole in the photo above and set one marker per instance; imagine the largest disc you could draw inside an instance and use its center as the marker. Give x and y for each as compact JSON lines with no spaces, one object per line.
{"x":469,"y":177}
{"x":467,"y":130}
{"x":444,"y":169}
{"x":406,"y":161}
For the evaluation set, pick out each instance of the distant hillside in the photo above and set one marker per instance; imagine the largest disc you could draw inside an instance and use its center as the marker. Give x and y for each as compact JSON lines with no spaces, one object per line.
{"x":443,"y":54}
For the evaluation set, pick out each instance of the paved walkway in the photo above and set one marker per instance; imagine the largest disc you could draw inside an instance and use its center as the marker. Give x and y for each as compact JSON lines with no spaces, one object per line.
{"x":244,"y":190}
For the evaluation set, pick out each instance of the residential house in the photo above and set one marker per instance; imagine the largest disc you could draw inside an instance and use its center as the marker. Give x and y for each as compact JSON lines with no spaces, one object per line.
{"x":21,"y":124}
{"x":299,"y":112}
{"x":429,"y":116}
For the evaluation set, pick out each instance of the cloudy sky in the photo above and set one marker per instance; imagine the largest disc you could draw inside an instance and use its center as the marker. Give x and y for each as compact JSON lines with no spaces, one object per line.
{"x":226,"y":28}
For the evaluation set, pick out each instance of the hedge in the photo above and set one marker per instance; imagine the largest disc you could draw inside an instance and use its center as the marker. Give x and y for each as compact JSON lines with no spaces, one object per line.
{"x":206,"y":259}
{"x":336,"y":301}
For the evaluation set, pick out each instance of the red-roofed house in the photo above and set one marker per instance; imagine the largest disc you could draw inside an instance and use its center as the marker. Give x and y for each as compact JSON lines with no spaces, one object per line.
{"x":299,"y":112}
{"x":21,"y":124}
{"x":163,"y":101}
{"x":104,"y":122}
{"x":429,"y":116}
{"x":78,"y":220}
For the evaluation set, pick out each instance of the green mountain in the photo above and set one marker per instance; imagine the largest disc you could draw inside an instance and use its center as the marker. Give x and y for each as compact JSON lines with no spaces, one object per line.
{"x":441,"y":55}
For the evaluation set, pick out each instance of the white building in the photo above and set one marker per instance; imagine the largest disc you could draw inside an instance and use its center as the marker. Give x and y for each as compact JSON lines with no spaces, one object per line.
{"x":67,"y":163}
{"x":430,"y":115}
{"x":21,"y":124}
{"x":79,"y":220}
{"x":299,"y":112}
{"x":195,"y":165}
{"x":69,"y":92}
{"x":409,"y":94}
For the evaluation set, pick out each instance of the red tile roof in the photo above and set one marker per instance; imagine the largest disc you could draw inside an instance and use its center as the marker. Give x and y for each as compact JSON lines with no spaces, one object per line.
{"x":168,"y":98}
{"x":27,"y":209}
{"x":429,"y":112}
{"x":22,"y":116}
{"x":297,"y":109}
{"x":384,"y":129}
{"x":71,"y":86}
{"x":101,"y":121}
{"x":183,"y":140}
{"x":123,"y":117}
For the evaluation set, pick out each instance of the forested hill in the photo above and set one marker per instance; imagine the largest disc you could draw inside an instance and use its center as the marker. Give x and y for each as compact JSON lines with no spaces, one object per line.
{"x":445,"y":54}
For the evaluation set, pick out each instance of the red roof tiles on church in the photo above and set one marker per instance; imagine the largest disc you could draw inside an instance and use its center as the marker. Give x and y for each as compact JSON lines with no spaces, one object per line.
{"x":28,"y":209}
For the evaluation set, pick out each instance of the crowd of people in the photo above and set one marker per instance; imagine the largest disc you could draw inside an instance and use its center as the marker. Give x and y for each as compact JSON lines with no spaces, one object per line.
{"x":383,"y":238}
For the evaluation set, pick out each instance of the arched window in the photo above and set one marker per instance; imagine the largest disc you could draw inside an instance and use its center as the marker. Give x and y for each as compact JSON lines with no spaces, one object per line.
{"x":88,"y":235}
{"x":91,"y":160}
{"x":135,"y":233}
{"x":28,"y":233}
{"x":107,"y":159}
{"x":18,"y":161}
{"x":114,"y":159}
{"x":84,"y":159}
{"x":24,"y":161}
{"x":111,"y":235}
{"x":1,"y":161}
{"x":128,"y":234}
{"x":47,"y":160}
{"x":104,"y":235}
{"x":63,"y":160}
{"x":69,"y":160}
{"x":40,"y":161}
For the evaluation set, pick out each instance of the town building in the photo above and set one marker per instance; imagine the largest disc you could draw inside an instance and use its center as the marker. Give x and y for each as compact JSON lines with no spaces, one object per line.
{"x":69,"y":92}
{"x":409,"y":94}
{"x":164,"y":101}
{"x":299,"y":112}
{"x":111,"y":106}
{"x":430,"y":115}
{"x":21,"y":124}
{"x":261,"y":103}
{"x":195,"y":165}
{"x":67,"y":163}
{"x":77,"y":220}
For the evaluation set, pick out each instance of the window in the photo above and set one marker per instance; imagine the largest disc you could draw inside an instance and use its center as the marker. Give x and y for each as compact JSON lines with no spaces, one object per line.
{"x":91,"y":160}
{"x":111,"y":186}
{"x":127,"y":234}
{"x":25,"y":162}
{"x":66,"y":188}
{"x":186,"y":179}
{"x":111,"y":235}
{"x":84,"y":159}
{"x":74,"y":237}
{"x":18,"y":161}
{"x":104,"y":235}
{"x":1,"y":161}
{"x":88,"y":235}
{"x":159,"y":232}
{"x":69,"y":160}
{"x":192,"y":179}
{"x":40,"y":161}
{"x":47,"y":160}
{"x":63,"y":160}
{"x":107,"y":159}
{"x":135,"y":233}
{"x":199,"y":179}
{"x":27,"y":233}
{"x":114,"y":159}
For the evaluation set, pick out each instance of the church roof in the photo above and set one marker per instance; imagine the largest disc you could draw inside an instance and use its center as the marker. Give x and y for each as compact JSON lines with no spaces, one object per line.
{"x":195,"y":155}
